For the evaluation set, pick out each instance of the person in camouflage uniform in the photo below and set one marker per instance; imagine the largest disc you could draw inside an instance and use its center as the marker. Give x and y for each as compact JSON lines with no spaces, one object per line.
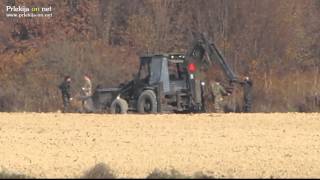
{"x":65,"y":91}
{"x":87,"y":87}
{"x":87,"y":103}
{"x":218,"y":91}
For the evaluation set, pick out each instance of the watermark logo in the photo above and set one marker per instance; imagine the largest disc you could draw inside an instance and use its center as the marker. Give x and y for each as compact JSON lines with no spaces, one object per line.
{"x":23,"y":11}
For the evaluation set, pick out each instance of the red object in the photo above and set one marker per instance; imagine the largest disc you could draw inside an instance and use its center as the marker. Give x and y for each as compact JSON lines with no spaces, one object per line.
{"x":192,"y":68}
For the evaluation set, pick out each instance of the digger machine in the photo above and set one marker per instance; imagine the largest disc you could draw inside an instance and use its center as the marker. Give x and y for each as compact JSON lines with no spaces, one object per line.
{"x":165,"y":83}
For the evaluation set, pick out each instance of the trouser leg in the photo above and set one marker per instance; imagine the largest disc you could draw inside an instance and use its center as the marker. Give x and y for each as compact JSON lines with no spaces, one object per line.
{"x":247,"y":106}
{"x":218,"y":106}
{"x":65,"y":103}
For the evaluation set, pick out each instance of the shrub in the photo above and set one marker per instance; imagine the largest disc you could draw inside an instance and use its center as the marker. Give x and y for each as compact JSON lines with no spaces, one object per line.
{"x":7,"y":175}
{"x":172,"y":174}
{"x":201,"y":175}
{"x":99,"y":171}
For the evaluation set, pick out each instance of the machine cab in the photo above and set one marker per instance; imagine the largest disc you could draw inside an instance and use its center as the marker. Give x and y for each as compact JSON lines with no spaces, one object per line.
{"x":165,"y":68}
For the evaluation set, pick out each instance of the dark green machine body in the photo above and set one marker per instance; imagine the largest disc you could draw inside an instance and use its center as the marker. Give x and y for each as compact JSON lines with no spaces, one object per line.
{"x":163,"y":80}
{"x":165,"y":83}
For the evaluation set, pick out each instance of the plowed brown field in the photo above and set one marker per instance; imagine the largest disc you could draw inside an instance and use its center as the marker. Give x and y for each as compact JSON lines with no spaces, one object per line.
{"x":233,"y":145}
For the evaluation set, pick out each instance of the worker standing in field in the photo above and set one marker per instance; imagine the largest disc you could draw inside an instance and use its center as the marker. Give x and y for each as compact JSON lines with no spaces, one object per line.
{"x":65,"y":91}
{"x":218,"y":91}
{"x":247,"y":94}
{"x":87,"y":103}
{"x":87,"y":87}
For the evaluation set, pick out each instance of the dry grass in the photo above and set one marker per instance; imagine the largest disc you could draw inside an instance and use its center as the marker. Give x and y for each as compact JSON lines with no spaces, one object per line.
{"x":100,"y":171}
{"x":172,"y":174}
{"x":233,"y":145}
{"x":175,"y":174}
{"x":10,"y":175}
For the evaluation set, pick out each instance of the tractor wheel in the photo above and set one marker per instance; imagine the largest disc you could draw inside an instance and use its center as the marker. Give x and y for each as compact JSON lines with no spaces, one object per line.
{"x":119,"y":106}
{"x":147,"y":102}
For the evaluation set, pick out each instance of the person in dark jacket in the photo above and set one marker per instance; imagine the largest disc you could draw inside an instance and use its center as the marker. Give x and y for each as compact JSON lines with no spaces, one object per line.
{"x":247,"y":94}
{"x":65,"y":91}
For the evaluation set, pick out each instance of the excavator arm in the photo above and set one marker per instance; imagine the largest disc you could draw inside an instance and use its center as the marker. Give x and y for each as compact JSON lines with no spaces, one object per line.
{"x":202,"y":55}
{"x":205,"y":54}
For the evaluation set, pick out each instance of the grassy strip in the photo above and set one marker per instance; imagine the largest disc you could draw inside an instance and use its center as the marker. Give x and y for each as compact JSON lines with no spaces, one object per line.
{"x":103,"y":171}
{"x":174,"y":174}
{"x":7,"y":175}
